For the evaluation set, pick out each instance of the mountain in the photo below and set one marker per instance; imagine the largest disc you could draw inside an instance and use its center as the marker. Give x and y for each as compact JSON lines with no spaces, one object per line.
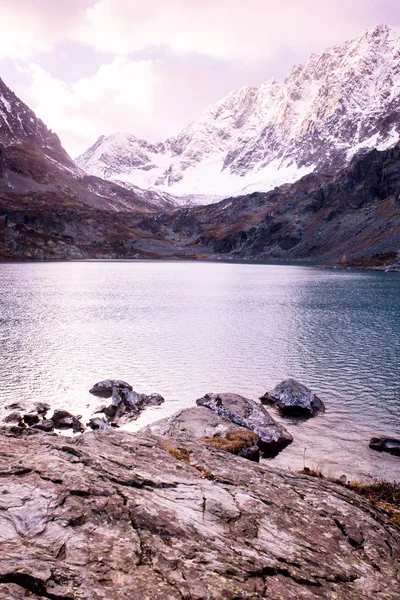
{"x":337,"y":104}
{"x":350,"y":217}
{"x":346,"y":210}
{"x":33,"y":163}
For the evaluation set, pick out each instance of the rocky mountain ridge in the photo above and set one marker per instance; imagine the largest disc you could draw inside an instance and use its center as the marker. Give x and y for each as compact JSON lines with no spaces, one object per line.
{"x":33,"y":164}
{"x":338,"y":103}
{"x":49,"y":208}
{"x":352,"y":217}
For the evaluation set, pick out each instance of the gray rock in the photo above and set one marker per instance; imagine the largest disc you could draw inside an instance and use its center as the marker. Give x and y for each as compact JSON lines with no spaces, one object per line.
{"x":46,"y":425}
{"x":131,"y":400}
{"x":31,"y":419}
{"x":273,"y":437}
{"x":192,"y":423}
{"x":292,"y":398}
{"x":382,"y":444}
{"x":98,"y":423}
{"x":14,"y":417}
{"x":42,"y":408}
{"x":59,"y":415}
{"x":127,"y":405}
{"x":62,"y":419}
{"x":250,"y":452}
{"x":200,"y":423}
{"x":65,"y":423}
{"x":104,"y":389}
{"x":151,"y":400}
{"x":112,"y":515}
{"x":77,"y":425}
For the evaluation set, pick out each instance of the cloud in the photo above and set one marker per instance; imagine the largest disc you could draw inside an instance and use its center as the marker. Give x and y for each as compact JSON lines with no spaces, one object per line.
{"x":147,"y":97}
{"x":81,"y":111}
{"x":29,"y":29}
{"x":92,"y":67}
{"x":221,"y":28}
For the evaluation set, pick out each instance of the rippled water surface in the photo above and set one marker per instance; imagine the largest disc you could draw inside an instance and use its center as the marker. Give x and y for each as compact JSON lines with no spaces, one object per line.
{"x":184,"y":329}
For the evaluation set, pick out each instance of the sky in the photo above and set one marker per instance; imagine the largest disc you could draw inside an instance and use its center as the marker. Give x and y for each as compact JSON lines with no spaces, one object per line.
{"x":95,"y":67}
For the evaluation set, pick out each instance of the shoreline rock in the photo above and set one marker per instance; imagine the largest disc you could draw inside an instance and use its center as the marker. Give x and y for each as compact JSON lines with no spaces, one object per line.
{"x":293,"y":399}
{"x":104,"y":389}
{"x":126,"y":404}
{"x":200,"y":423}
{"x":384,"y":444}
{"x":246,"y":413}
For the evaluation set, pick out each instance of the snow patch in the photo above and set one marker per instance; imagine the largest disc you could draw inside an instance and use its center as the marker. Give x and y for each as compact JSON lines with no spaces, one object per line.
{"x":253,"y":139}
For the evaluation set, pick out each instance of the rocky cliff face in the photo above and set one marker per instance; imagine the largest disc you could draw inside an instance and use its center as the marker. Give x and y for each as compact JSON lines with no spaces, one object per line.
{"x":351,"y":216}
{"x":113,"y":515}
{"x":34,"y":164}
{"x":325,"y":111}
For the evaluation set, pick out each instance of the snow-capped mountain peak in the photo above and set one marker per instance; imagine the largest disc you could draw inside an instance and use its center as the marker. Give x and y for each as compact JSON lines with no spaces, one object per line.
{"x":338,"y":103}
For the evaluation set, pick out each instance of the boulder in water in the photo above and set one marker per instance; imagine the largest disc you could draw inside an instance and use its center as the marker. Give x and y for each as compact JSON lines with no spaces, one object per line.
{"x":383,"y":444}
{"x":127,"y":405}
{"x":104,"y":389}
{"x":294,"y":399}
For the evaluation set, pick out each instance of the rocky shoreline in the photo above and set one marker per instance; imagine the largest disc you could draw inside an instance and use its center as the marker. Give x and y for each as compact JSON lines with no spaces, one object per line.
{"x":111,"y":515}
{"x":177,"y":511}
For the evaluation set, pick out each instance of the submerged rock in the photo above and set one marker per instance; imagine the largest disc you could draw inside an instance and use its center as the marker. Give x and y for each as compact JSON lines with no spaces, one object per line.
{"x":104,"y":389}
{"x":246,"y":413}
{"x":200,"y":423}
{"x":292,"y":398}
{"x":150,"y":519}
{"x":382,"y":444}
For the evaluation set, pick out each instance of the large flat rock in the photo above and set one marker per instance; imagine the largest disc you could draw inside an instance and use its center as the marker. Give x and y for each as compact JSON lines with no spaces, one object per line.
{"x":112,"y":514}
{"x":244,"y":412}
{"x":192,"y":423}
{"x":200,"y":423}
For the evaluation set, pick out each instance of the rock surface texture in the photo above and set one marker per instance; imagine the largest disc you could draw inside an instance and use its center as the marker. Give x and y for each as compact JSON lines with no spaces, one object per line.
{"x":112,"y":515}
{"x":244,"y":412}
{"x":292,"y":398}
{"x":200,"y":423}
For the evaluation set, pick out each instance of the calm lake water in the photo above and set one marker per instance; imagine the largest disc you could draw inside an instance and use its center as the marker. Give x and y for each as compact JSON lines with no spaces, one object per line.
{"x":183,"y":329}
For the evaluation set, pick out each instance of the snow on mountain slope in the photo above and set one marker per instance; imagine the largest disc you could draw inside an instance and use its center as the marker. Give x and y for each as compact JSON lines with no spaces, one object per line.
{"x":35,"y":167}
{"x":341,"y":102}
